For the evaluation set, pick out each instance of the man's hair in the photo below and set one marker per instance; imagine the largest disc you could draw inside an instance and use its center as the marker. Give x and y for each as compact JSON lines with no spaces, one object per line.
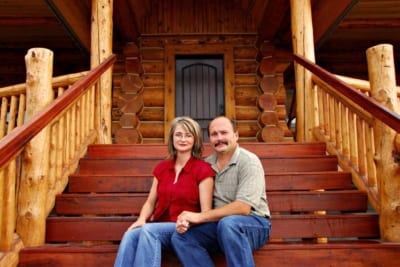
{"x":232,"y":121}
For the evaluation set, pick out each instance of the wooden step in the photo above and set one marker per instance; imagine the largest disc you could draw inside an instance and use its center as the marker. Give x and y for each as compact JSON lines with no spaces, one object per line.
{"x":67,"y":229}
{"x":131,"y":203}
{"x":354,"y":253}
{"x":142,"y":167}
{"x":329,"y":180}
{"x":160,"y":150}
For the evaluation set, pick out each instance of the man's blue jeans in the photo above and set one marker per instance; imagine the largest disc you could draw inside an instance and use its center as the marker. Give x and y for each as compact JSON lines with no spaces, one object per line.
{"x":142,"y":246}
{"x":236,"y":236}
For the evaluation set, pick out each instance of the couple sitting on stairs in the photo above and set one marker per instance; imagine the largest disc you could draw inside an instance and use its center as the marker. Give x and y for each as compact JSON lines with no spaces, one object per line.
{"x":195,"y":207}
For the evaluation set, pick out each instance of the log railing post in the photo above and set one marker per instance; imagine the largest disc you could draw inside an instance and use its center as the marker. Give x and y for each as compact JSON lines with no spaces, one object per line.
{"x":32,"y":212}
{"x":101,"y":48}
{"x":382,"y":77}
{"x":303,"y":44}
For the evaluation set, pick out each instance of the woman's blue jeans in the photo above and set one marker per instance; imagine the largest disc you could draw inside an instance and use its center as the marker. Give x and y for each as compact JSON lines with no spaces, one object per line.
{"x":236,"y":236}
{"x":142,"y":246}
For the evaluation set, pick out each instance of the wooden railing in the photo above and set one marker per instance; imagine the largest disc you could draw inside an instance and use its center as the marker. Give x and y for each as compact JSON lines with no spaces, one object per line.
{"x":27,"y":193}
{"x":364,"y":134}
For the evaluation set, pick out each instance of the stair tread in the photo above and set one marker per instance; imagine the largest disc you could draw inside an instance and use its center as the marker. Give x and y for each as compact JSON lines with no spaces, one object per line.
{"x":363,"y":225}
{"x":142,"y":166}
{"x":298,"y":201}
{"x":274,"y":181}
{"x":271,"y":254}
{"x":271,"y":245}
{"x":155,"y":150}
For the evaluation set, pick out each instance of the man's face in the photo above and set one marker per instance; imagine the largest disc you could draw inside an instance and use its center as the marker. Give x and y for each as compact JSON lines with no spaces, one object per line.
{"x":222,"y":136}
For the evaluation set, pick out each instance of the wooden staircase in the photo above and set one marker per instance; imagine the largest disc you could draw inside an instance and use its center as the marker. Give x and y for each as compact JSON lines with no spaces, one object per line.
{"x":106,"y":193}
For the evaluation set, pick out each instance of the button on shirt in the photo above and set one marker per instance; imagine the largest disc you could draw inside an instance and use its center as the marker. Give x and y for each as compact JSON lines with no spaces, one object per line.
{"x":173,"y":198}
{"x":242,"y":179}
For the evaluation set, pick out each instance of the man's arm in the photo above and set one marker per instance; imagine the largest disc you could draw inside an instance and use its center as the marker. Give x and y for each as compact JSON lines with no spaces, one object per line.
{"x":233,"y":208}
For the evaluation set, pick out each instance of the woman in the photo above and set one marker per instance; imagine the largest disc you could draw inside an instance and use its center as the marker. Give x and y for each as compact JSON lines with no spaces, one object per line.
{"x":182,"y":182}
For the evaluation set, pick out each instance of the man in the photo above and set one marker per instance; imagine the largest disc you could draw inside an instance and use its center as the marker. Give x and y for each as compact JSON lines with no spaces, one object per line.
{"x":239,"y":222}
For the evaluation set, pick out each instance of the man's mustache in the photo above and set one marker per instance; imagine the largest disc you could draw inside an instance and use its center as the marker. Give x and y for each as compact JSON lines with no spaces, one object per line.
{"x":221,"y":142}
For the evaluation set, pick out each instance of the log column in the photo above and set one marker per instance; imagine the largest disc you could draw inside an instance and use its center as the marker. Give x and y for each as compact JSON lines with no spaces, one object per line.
{"x":382,"y":77}
{"x":273,"y":98}
{"x":32,"y":212}
{"x":101,"y":48}
{"x":303,"y":44}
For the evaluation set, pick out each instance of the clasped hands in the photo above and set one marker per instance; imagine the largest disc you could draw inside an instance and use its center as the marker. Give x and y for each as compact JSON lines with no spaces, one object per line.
{"x":185,"y":220}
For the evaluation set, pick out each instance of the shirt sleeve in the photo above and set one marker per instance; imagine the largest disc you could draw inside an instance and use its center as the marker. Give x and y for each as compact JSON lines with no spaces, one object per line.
{"x":204,"y":170}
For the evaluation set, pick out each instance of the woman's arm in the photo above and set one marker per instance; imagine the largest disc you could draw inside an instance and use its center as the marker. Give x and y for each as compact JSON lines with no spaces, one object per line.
{"x":206,"y":189}
{"x":148,"y":206}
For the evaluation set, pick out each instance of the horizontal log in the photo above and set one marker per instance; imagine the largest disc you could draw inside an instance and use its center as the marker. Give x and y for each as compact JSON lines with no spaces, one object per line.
{"x":245,"y":66}
{"x":152,"y":114}
{"x":246,"y":95}
{"x":152,"y":53}
{"x":245,"y":52}
{"x":247,"y":113}
{"x":133,"y":65}
{"x":153,"y":97}
{"x":153,"y":66}
{"x":153,"y":80}
{"x":248,"y":128}
{"x":131,"y":50}
{"x":151,"y":129}
{"x":246,"y":79}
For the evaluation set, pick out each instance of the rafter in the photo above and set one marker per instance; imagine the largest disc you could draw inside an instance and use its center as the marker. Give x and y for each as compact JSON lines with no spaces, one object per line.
{"x":75,"y":20}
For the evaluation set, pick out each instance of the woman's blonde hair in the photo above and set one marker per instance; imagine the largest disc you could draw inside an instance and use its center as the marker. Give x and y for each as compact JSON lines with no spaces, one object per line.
{"x":192,"y":127}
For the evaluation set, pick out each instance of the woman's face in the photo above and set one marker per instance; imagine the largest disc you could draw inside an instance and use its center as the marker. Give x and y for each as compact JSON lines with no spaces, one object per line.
{"x":183,"y":140}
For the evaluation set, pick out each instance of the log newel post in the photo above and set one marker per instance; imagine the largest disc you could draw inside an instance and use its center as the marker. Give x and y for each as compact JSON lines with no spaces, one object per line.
{"x":32,"y":202}
{"x":101,"y":49}
{"x":381,"y":71}
{"x":303,"y":44}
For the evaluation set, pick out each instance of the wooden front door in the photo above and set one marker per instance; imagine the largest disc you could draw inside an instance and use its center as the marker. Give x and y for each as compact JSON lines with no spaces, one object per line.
{"x":199,"y":88}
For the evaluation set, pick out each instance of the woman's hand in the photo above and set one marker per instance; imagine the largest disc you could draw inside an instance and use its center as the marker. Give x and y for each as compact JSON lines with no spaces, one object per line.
{"x":135,"y":225}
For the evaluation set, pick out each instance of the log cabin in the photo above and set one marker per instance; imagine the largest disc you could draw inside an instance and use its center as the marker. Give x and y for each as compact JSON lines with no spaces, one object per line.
{"x":311,"y":84}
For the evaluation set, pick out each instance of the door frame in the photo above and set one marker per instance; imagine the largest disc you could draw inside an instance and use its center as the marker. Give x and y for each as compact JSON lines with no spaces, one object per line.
{"x":169,"y":79}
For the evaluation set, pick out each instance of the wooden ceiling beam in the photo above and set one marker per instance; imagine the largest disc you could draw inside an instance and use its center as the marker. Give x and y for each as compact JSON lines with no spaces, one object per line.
{"x":75,"y":19}
{"x":126,"y":19}
{"x":272,"y":18}
{"x":327,"y":15}
{"x":27,"y":21}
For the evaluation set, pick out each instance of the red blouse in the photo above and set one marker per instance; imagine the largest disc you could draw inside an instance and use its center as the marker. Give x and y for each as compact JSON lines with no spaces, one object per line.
{"x":172,"y":198}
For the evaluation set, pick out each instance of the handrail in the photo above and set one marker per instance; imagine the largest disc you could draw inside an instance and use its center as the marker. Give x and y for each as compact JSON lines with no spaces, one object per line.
{"x":59,"y":81}
{"x":392,"y":119}
{"x":364,"y":134}
{"x":19,"y":137}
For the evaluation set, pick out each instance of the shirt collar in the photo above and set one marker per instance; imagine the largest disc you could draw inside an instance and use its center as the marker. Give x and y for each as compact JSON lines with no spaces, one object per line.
{"x":186,"y":168}
{"x":212,"y":159}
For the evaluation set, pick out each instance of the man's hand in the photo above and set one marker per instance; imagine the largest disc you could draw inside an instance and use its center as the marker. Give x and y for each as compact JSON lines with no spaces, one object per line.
{"x":185,"y":219}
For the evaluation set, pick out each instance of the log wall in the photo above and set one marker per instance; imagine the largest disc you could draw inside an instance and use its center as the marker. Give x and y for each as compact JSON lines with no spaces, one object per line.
{"x":139,"y":89}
